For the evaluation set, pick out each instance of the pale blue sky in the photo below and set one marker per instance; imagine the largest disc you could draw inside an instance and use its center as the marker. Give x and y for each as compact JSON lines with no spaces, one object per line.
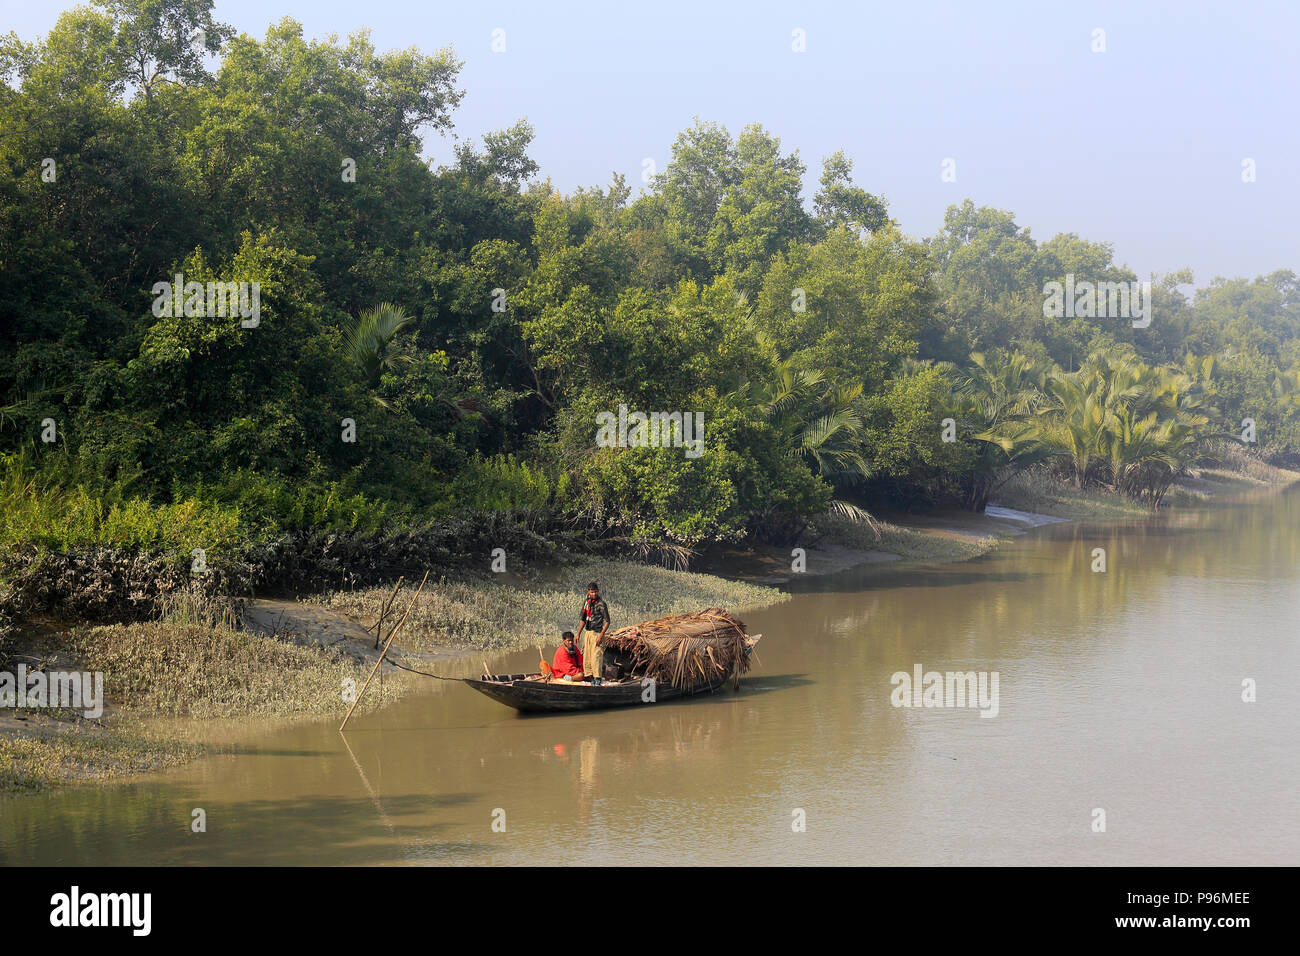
{"x":1141,"y":145}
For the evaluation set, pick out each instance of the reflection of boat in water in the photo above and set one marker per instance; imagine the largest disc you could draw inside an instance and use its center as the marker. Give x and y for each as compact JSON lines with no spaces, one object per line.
{"x":653,"y":661}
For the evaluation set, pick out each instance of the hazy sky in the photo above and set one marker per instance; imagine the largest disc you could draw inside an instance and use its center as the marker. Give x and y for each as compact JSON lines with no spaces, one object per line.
{"x":1141,"y":145}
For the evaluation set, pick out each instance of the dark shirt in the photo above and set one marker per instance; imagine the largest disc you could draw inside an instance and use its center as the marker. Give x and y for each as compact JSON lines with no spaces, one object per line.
{"x":595,"y":614}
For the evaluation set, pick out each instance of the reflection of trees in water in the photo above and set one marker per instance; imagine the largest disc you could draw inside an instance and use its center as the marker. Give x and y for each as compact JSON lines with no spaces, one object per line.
{"x":1036,"y":596}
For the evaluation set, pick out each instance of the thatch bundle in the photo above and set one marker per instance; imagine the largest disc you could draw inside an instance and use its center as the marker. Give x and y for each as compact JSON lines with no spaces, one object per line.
{"x":685,"y":650}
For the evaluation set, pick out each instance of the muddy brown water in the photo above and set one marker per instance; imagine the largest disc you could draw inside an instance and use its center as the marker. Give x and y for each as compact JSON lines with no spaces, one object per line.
{"x":1118,"y":691}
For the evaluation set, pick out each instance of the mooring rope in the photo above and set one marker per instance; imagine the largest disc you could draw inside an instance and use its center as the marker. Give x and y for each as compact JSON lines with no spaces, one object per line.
{"x":423,"y":673}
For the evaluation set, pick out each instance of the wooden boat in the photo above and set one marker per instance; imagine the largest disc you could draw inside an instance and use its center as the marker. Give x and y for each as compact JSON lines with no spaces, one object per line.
{"x":661,"y":660}
{"x":533,"y":693}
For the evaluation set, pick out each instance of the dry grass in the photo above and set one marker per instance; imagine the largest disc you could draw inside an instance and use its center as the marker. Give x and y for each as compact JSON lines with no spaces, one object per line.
{"x":685,"y":650}
{"x":1239,"y":464}
{"x":1237,"y":470}
{"x":160,"y":669}
{"x":914,"y":545}
{"x":910,"y":544}
{"x":1040,"y":491}
{"x":195,"y":606}
{"x":164,"y":669}
{"x":34,"y":763}
{"x":491,"y":613}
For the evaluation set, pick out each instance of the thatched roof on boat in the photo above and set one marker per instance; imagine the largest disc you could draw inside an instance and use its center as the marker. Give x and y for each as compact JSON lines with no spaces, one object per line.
{"x":685,"y":649}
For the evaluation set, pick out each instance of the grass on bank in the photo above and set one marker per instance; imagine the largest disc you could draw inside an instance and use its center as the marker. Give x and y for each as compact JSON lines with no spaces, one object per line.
{"x":912,"y":545}
{"x":1040,"y":491}
{"x":1237,"y":471}
{"x":193,"y":666}
{"x":163,"y":669}
{"x":32,"y":763}
{"x":157,"y":669}
{"x":490,"y":613}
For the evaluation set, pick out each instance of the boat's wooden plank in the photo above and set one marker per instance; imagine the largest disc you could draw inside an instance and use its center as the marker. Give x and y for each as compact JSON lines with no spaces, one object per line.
{"x":557,"y":696}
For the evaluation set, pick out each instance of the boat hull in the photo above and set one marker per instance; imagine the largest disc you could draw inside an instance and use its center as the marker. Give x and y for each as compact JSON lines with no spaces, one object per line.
{"x":558,"y":697}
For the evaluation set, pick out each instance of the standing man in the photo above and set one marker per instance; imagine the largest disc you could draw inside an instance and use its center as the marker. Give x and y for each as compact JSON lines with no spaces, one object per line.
{"x":594,"y":621}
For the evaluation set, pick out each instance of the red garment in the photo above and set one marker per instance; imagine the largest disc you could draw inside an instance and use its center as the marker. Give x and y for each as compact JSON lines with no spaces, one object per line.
{"x":565,"y":662}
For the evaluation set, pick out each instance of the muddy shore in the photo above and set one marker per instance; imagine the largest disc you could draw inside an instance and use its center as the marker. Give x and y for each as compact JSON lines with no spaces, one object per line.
{"x":298,"y":652}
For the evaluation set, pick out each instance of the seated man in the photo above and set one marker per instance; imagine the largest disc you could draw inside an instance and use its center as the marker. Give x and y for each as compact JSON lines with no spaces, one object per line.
{"x":568,"y":659}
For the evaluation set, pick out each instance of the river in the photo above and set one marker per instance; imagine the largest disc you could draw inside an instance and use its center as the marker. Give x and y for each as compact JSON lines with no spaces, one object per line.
{"x":1118,"y":691}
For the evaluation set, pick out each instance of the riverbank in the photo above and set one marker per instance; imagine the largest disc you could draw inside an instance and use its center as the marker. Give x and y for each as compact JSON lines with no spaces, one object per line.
{"x":159,"y":670}
{"x":418,"y":782}
{"x":1238,"y":473}
{"x":1028,"y":500}
{"x":297,"y":658}
{"x":496,"y":612}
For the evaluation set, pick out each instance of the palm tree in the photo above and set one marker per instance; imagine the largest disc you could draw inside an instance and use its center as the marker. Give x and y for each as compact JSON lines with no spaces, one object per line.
{"x":818,"y":422}
{"x":1073,"y":426}
{"x":996,"y":400}
{"x":368,"y":341}
{"x":1119,"y":422}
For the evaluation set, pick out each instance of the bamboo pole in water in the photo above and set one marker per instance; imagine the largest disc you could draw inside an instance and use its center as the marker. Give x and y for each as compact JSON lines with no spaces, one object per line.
{"x":383,"y":611}
{"x":383,"y":653}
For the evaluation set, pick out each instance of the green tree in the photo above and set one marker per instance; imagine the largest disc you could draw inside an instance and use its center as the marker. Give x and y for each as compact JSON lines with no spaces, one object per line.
{"x":370,"y":341}
{"x":841,"y":205}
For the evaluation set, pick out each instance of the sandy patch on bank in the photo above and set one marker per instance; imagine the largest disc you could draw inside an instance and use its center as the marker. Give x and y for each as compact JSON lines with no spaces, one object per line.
{"x":312,"y":625}
{"x":773,"y":564}
{"x":1026,"y":518}
{"x":936,"y":538}
{"x":971,"y":526}
{"x":41,"y":651}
